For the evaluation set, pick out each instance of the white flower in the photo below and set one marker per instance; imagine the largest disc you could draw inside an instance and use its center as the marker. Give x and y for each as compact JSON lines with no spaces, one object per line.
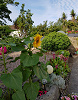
{"x":49,"y":69}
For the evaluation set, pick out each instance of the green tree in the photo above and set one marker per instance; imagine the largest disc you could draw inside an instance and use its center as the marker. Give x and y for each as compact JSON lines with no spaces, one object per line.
{"x":77,"y":19}
{"x":4,"y":11}
{"x":73,"y":14}
{"x":41,"y":29}
{"x":64,"y":21}
{"x":70,"y":25}
{"x":11,"y":2}
{"x":64,"y":16}
{"x":58,"y":25}
{"x":24,"y":21}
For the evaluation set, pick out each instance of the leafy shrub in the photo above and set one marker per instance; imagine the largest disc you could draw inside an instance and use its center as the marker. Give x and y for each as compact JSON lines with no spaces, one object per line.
{"x":57,"y":80}
{"x":5,"y":30}
{"x":65,"y":53}
{"x":60,"y":65}
{"x":10,"y":39}
{"x":20,"y":81}
{"x":55,"y":41}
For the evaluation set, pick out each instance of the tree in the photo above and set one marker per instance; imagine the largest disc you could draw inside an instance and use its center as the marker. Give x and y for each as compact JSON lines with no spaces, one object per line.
{"x":64,"y":21}
{"x":70,"y":25}
{"x":41,"y":29}
{"x":77,"y":18}
{"x":11,"y":2}
{"x":73,"y":15}
{"x":64,"y":16}
{"x":4,"y":11}
{"x":24,"y":21}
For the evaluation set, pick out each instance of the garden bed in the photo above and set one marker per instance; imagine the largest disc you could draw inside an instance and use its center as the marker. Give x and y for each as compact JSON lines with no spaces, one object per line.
{"x":51,"y":95}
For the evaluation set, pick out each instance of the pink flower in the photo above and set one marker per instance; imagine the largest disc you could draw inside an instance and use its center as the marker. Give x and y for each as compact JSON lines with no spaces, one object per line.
{"x":62,"y":98}
{"x":67,"y":98}
{"x":53,"y":56}
{"x":40,"y":94}
{"x":60,"y":56}
{"x":45,"y":92}
{"x":56,"y":66}
{"x":0,"y":51}
{"x":65,"y":58}
{"x":75,"y":97}
{"x":41,"y":91}
{"x":4,"y":49}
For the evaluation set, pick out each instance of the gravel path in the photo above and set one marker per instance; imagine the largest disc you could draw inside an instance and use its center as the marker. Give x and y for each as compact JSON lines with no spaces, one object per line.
{"x":12,"y":65}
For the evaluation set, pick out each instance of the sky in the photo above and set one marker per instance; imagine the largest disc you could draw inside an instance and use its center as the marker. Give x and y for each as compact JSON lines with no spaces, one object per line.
{"x":50,"y":10}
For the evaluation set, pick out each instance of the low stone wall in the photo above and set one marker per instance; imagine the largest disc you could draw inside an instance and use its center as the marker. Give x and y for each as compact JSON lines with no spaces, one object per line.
{"x":74,"y":41}
{"x":74,"y":44}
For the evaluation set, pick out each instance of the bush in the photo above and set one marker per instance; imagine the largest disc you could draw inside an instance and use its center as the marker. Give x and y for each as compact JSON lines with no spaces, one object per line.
{"x":55,"y":41}
{"x":5,"y":30}
{"x":60,"y":65}
{"x":65,"y":53}
{"x":10,"y":39}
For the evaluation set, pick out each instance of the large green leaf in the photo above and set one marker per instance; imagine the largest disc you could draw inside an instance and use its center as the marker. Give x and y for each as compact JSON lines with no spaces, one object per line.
{"x":26,"y":73}
{"x":2,"y":42}
{"x":0,"y":92}
{"x":28,"y":60}
{"x":11,"y":44}
{"x":41,"y":73}
{"x":19,"y":95}
{"x":17,"y":48}
{"x":31,"y":90}
{"x":27,"y":40}
{"x":12,"y":80}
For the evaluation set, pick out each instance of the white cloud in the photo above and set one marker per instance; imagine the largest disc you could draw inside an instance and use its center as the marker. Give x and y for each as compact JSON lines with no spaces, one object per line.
{"x":50,"y":10}
{"x":14,"y":13}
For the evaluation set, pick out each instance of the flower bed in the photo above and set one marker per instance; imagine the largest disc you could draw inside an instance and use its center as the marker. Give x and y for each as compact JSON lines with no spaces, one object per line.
{"x":70,"y":97}
{"x":20,"y":82}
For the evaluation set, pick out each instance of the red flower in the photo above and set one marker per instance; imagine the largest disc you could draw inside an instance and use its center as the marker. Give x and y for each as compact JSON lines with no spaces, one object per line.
{"x":45,"y":92}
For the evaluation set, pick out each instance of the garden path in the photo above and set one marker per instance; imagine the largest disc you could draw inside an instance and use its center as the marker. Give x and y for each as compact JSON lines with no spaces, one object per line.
{"x":73,"y":81}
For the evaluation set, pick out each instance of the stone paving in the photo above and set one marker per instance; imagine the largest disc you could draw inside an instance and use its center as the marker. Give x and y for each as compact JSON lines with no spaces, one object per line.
{"x":73,"y":81}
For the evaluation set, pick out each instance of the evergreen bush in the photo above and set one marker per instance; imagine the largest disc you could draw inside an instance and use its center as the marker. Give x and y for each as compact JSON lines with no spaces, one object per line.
{"x":55,"y":41}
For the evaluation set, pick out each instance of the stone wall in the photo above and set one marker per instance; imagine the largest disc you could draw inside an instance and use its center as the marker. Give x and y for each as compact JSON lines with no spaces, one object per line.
{"x":74,"y":41}
{"x":74,"y":44}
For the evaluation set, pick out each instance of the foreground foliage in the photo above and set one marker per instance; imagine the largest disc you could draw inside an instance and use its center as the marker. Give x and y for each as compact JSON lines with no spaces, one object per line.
{"x":19,"y":82}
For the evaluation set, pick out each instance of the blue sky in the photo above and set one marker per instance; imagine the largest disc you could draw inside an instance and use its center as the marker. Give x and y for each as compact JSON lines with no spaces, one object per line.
{"x":50,"y":10}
